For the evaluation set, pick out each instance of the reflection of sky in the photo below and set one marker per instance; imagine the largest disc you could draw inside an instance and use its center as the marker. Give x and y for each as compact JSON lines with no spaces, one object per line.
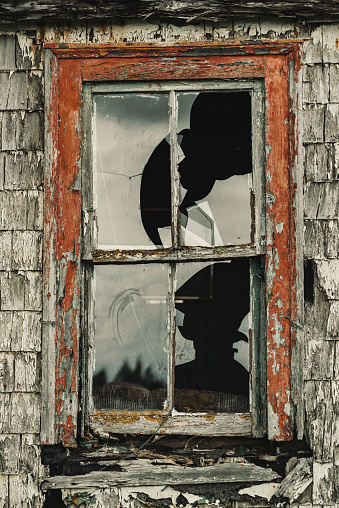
{"x":142,"y":321}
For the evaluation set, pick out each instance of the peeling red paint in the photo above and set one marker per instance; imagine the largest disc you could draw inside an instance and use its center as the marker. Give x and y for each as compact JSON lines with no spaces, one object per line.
{"x":69,"y":285}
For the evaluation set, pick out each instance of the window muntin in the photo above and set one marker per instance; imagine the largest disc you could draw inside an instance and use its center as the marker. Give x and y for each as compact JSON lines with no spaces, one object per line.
{"x":160,"y":145}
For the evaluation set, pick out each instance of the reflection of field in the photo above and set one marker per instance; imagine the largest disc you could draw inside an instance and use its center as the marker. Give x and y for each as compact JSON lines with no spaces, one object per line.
{"x":125,"y":396}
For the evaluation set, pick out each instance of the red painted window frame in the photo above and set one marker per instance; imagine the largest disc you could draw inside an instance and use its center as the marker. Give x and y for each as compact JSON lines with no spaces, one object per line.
{"x":67,"y":68}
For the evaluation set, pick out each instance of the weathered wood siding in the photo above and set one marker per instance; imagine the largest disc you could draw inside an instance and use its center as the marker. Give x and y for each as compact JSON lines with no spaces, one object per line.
{"x":21,"y":235}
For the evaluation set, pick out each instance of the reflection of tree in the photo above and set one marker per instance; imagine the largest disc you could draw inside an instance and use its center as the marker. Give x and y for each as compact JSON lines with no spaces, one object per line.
{"x":100,"y":378}
{"x":136,"y":376}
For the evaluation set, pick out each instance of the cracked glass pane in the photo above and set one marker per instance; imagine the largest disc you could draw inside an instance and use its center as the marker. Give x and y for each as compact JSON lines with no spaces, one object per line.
{"x":130,"y":336}
{"x":212,"y":351}
{"x":129,"y":206}
{"x":215,"y":168}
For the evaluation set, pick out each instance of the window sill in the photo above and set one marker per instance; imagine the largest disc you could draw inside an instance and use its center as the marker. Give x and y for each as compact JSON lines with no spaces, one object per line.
{"x":141,"y":472}
{"x":201,"y":424}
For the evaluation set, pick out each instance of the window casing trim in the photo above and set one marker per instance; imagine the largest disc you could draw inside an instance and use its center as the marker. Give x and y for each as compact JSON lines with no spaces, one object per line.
{"x":66,"y":69}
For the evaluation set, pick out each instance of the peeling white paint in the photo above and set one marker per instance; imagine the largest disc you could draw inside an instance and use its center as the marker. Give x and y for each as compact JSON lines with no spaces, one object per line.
{"x":266,"y":490}
{"x":279,"y":227}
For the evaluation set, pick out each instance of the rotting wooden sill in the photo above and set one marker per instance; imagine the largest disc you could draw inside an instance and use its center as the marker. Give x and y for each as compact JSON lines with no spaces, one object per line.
{"x":141,"y":472}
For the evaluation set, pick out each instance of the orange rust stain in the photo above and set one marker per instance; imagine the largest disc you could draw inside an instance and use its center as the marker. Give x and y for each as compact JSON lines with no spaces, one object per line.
{"x":245,"y":417}
{"x":337,"y":44}
{"x":209,"y":418}
{"x":69,"y":432}
{"x":128,"y":416}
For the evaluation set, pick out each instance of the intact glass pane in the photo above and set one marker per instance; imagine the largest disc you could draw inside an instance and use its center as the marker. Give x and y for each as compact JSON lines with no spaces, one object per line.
{"x":215,"y":168}
{"x":132,"y":162}
{"x":130,"y":336}
{"x":212,"y":350}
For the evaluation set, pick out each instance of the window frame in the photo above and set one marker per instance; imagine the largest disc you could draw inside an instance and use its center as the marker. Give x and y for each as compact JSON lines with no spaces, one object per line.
{"x":67,"y":68}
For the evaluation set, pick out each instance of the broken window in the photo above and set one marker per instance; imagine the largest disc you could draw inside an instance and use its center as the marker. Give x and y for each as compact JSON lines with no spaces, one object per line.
{"x":173,"y":240}
{"x":173,"y":171}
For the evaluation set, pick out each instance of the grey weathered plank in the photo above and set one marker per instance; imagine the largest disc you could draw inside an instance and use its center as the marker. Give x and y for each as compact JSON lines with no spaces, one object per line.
{"x":23,"y":170}
{"x":33,"y":290}
{"x":221,"y":424}
{"x":330,"y":53}
{"x":334,"y":81}
{"x":13,"y":205}
{"x":35,"y":199}
{"x":6,"y":372}
{"x":332,"y":330}
{"x":30,"y":454}
{"x":321,"y":239}
{"x":20,"y":413}
{"x":20,"y":331}
{"x":322,"y":200}
{"x":319,"y":419}
{"x":187,"y":9}
{"x":4,"y":497}
{"x":319,"y":361}
{"x":9,"y":453}
{"x":4,"y":88}
{"x":2,"y":170}
{"x":22,"y":130}
{"x":316,"y":84}
{"x":27,"y":250}
{"x":323,"y":483}
{"x":332,"y":123}
{"x":12,"y":291}
{"x":5,"y":250}
{"x":35,"y":96}
{"x":7,"y":52}
{"x":165,"y":475}
{"x":27,"y":372}
{"x":17,"y":93}
{"x":328,"y":276}
{"x":49,"y":281}
{"x":316,"y":162}
{"x":25,"y":491}
{"x":295,"y":483}
{"x":313,"y":123}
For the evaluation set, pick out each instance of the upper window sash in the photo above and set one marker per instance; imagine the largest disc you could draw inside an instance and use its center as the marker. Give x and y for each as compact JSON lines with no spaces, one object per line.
{"x":118,"y":253}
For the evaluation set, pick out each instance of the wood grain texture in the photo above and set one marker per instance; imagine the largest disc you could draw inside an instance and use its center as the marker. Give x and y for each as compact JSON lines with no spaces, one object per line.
{"x":295,"y":483}
{"x":24,"y":170}
{"x":221,"y":424}
{"x":20,"y":413}
{"x":321,"y":239}
{"x":20,"y":331}
{"x":160,"y":475}
{"x":187,"y":10}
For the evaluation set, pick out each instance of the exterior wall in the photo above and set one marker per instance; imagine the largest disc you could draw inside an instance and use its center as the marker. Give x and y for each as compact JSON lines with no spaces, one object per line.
{"x":21,"y":197}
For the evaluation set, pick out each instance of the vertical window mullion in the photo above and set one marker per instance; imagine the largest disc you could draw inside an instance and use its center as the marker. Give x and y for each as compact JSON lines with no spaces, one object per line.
{"x":173,"y":111}
{"x":171,"y":328}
